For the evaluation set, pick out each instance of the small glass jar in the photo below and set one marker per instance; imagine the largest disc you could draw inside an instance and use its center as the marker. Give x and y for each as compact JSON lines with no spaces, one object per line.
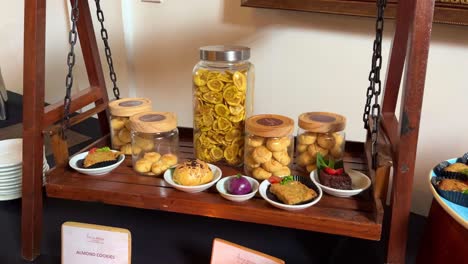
{"x":155,"y":142}
{"x":223,"y":83}
{"x":269,"y":145}
{"x":319,"y":132}
{"x":120,"y":113}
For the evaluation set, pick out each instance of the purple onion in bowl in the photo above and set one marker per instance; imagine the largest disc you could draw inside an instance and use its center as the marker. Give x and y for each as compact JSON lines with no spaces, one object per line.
{"x":239,"y":185}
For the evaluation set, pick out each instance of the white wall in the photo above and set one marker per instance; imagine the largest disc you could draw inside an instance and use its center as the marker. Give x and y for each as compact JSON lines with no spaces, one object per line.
{"x":57,"y":26}
{"x":304,"y":62}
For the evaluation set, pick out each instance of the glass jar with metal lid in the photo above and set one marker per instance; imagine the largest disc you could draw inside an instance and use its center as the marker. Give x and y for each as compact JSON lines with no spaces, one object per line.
{"x":155,"y":142}
{"x":269,"y":144}
{"x":120,"y":113}
{"x":222,"y":99}
{"x":319,"y":132}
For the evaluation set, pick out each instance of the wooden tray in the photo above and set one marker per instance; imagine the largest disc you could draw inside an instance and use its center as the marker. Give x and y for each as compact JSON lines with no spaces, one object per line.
{"x":360,"y":216}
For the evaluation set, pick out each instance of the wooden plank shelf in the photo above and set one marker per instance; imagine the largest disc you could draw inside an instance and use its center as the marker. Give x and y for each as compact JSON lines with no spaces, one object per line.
{"x":359,"y":216}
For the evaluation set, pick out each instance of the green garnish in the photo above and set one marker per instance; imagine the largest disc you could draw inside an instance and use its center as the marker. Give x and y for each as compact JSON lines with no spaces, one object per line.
{"x":465,"y":171}
{"x":238,"y":175}
{"x":104,"y":149}
{"x":286,"y":179}
{"x":465,"y":191}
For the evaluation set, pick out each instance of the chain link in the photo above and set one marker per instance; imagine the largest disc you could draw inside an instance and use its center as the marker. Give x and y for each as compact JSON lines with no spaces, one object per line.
{"x":107,"y":50}
{"x":375,"y":85}
{"x":72,"y":38}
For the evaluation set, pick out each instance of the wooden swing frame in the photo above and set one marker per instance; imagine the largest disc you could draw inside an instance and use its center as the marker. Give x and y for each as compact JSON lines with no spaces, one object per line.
{"x":361,"y":217}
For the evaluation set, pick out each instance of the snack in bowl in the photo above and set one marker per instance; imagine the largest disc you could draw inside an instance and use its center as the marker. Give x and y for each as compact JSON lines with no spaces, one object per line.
{"x":239,"y":185}
{"x":457,"y":167}
{"x":291,"y":192}
{"x":100,"y":157}
{"x":192,"y":172}
{"x":454,"y":185}
{"x":331,"y":175}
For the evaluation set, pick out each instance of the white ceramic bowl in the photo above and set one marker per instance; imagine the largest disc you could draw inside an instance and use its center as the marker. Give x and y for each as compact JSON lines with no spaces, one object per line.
{"x":194,"y":189}
{"x":360,"y":182}
{"x":221,"y":186}
{"x":97,"y":171}
{"x":263,"y":192}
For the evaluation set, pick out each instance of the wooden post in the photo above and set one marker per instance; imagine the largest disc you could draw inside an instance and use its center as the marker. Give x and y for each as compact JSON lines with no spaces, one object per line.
{"x":410,"y":114}
{"x":33,"y":141}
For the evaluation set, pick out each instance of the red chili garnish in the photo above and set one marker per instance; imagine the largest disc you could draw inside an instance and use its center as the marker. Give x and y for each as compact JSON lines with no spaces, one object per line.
{"x":330,"y":171}
{"x":274,"y":179}
{"x":339,"y":171}
{"x":92,"y":150}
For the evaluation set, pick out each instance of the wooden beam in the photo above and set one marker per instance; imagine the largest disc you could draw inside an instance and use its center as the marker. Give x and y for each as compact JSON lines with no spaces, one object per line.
{"x":33,"y":112}
{"x":410,"y":115}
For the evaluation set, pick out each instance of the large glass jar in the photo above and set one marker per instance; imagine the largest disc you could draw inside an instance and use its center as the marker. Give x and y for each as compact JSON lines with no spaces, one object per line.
{"x":222,"y":99}
{"x":120,"y":113}
{"x":155,"y":142}
{"x":319,"y":132}
{"x":269,"y":145}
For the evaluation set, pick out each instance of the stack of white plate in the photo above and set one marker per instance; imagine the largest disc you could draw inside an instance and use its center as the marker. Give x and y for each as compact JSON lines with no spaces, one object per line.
{"x":11,"y":168}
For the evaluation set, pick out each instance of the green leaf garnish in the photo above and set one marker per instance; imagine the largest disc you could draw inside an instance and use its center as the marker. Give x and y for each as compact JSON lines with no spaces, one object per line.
{"x":238,"y":175}
{"x":465,"y":191}
{"x":286,"y":179}
{"x":465,"y":171}
{"x":104,"y":149}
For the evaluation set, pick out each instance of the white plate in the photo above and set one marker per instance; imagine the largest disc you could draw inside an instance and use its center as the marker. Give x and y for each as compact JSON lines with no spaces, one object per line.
{"x":11,"y":152}
{"x":8,"y":197}
{"x":194,"y":189}
{"x":18,"y":167}
{"x":10,"y":191}
{"x":360,"y":182}
{"x":94,"y":172}
{"x":263,"y":192}
{"x":221,"y":186}
{"x":9,"y":180}
{"x":7,"y":187}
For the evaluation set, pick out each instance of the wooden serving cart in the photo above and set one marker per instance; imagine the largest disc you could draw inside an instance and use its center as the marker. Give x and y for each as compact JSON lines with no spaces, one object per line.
{"x":360,"y":216}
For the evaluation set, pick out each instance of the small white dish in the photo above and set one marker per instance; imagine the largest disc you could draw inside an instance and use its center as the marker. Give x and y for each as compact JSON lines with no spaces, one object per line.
{"x":359,"y":183}
{"x":222,"y":184}
{"x":193,"y":189}
{"x":8,"y":197}
{"x":97,"y":171}
{"x":12,"y":152}
{"x":263,"y":192}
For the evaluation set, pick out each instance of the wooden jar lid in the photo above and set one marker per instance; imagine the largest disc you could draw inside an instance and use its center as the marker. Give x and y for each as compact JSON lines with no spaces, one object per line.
{"x":153,"y":122}
{"x":129,"y":106}
{"x":322,"y":122}
{"x":270,"y":125}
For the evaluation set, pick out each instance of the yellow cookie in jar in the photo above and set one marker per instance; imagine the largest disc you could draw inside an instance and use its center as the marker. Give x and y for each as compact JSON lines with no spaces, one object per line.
{"x":314,"y":149}
{"x":116,"y":142}
{"x":152,"y":156}
{"x":272,"y":166}
{"x":143,"y":165}
{"x":261,"y":154}
{"x":307,"y":138}
{"x":261,"y":174}
{"x":124,"y":136}
{"x":337,"y":152}
{"x":117,"y":124}
{"x":254,"y":141}
{"x":159,"y":167}
{"x":250,"y":162}
{"x":126,"y":149}
{"x":304,"y":159}
{"x":301,"y":148}
{"x":326,"y":141}
{"x":278,"y":144}
{"x":282,"y":157}
{"x":169,"y":159}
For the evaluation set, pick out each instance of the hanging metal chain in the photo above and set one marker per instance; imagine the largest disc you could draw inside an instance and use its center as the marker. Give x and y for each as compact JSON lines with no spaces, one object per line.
{"x":375,"y":85}
{"x":105,"y":37}
{"x":72,"y":37}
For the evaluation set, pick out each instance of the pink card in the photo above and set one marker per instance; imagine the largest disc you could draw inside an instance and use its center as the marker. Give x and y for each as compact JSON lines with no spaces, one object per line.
{"x":225,"y":252}
{"x":94,"y":244}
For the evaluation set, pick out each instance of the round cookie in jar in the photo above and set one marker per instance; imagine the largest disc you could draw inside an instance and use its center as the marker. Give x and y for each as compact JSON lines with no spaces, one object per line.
{"x":120,"y":112}
{"x":319,"y":132}
{"x":155,"y":142}
{"x":268,"y":146}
